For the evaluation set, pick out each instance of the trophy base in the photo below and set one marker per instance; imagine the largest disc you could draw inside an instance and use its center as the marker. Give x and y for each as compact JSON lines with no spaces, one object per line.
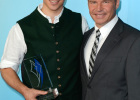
{"x":52,"y":94}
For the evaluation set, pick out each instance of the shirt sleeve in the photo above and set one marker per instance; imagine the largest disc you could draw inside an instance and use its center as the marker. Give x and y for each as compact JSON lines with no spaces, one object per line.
{"x":14,"y":50}
{"x":85,"y":26}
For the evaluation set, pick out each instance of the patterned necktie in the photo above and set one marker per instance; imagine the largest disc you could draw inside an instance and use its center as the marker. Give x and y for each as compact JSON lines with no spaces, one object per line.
{"x":94,"y":52}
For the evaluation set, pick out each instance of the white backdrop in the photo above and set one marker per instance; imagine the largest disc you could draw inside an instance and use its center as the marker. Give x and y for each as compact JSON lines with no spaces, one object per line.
{"x":13,"y":10}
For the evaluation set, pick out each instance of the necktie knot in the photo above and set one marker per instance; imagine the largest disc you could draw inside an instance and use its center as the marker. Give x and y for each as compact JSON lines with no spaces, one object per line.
{"x":98,"y":33}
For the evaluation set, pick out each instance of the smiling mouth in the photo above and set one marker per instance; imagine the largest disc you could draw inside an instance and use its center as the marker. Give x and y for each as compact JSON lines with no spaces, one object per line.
{"x":99,"y":15}
{"x":54,"y":1}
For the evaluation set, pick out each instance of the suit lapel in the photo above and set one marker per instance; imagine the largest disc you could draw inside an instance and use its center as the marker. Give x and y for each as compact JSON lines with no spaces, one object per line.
{"x":108,"y":45}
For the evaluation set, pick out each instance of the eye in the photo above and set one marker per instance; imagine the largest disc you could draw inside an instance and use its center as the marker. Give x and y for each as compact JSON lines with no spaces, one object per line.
{"x":92,"y":2}
{"x":106,"y":2}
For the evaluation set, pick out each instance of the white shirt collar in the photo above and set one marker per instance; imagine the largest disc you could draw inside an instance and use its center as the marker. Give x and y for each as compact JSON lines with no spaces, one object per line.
{"x":56,"y":18}
{"x":105,"y":30}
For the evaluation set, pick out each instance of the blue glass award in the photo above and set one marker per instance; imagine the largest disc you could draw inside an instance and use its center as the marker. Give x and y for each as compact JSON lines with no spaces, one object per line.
{"x":38,"y":77}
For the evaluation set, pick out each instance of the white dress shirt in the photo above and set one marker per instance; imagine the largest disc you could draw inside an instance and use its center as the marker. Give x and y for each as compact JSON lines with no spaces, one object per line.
{"x":15,"y":47}
{"x":105,"y":30}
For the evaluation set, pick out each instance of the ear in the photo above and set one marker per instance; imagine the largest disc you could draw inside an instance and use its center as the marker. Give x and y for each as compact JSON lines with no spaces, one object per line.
{"x":117,"y":4}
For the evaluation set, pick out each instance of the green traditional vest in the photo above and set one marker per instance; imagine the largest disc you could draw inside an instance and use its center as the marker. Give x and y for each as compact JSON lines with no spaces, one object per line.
{"x":59,"y":44}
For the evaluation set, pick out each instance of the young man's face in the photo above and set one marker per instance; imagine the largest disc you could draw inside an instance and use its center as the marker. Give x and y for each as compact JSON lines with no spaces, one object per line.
{"x":102,"y":11}
{"x":53,"y":5}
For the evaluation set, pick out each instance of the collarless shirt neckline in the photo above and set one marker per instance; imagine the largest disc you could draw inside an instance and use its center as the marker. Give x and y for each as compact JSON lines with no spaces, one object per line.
{"x":56,"y":18}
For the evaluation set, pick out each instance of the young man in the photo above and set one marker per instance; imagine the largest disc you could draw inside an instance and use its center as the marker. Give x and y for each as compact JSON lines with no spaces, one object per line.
{"x":56,"y":33}
{"x":110,"y":68}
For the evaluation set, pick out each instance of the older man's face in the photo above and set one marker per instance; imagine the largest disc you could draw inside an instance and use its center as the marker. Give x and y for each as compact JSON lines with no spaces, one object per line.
{"x":102,"y":11}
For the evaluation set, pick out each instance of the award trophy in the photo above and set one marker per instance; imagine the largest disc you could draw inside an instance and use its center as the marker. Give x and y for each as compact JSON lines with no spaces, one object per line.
{"x":38,"y":76}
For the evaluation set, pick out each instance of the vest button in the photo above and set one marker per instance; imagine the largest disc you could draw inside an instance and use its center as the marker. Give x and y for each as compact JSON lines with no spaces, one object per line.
{"x":59,"y":77}
{"x":57,"y":51}
{"x":60,"y":94}
{"x":56,"y":43}
{"x":58,"y":68}
{"x":52,"y":27}
{"x":59,"y":85}
{"x":58,"y":60}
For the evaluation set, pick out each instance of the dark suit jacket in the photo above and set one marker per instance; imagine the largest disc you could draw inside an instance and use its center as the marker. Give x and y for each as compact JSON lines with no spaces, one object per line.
{"x":116,"y":74}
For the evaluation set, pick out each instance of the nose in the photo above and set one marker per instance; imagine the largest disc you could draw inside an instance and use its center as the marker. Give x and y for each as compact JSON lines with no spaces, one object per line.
{"x":99,"y":7}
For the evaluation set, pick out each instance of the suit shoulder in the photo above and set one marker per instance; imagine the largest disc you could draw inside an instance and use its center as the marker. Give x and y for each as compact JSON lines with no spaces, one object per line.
{"x":89,"y":31}
{"x":131,"y":30}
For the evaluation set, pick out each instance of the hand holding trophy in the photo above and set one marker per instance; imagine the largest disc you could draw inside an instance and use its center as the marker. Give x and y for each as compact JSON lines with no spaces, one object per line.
{"x":39,"y":78}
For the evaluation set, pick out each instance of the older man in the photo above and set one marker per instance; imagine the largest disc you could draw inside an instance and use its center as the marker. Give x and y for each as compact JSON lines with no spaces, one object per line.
{"x":110,"y":68}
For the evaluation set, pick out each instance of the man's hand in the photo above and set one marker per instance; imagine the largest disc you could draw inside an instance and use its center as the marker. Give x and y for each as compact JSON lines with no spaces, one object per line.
{"x":31,"y":94}
{"x":15,"y":83}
